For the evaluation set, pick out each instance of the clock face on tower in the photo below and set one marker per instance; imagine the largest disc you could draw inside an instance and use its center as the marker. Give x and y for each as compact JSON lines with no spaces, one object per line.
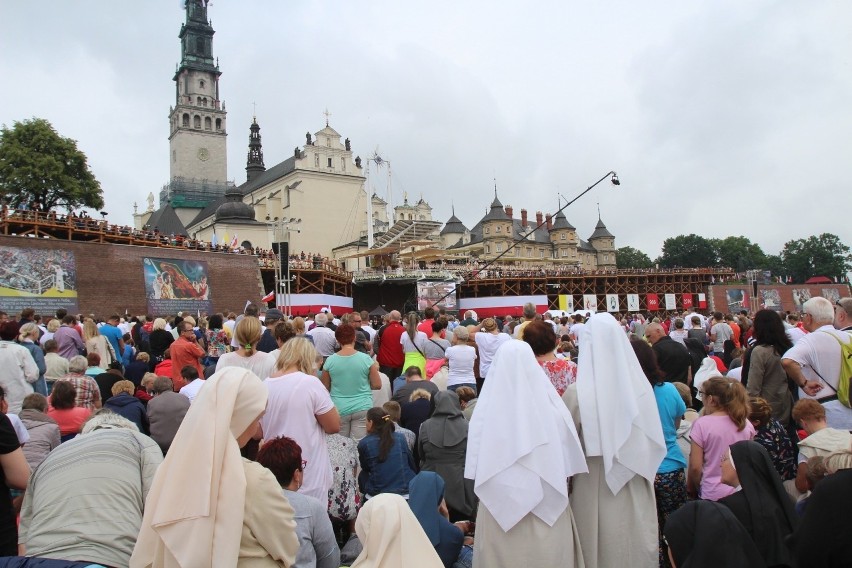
{"x":203,"y":154}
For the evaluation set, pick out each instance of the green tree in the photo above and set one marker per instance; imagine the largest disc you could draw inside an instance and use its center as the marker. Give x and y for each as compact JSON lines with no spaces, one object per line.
{"x":739,"y":253}
{"x":39,"y":169}
{"x":629,"y":257}
{"x":823,"y":255}
{"x":689,"y":251}
{"x":775,"y":264}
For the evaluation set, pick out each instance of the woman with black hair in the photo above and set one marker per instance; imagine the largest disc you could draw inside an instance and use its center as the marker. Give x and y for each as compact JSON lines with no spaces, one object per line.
{"x":763,"y":374}
{"x":387,"y":465}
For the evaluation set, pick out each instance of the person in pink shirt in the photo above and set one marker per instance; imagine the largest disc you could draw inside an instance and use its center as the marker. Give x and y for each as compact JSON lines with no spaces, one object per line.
{"x":725,"y":422}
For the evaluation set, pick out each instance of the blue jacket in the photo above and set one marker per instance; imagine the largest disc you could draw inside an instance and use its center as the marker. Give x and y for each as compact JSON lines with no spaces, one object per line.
{"x":131,"y":408}
{"x":389,"y":476}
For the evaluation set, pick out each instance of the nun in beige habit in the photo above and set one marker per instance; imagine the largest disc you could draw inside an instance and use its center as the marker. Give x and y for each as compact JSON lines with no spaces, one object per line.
{"x":616,"y":412}
{"x":522,"y":449}
{"x":209,"y":507}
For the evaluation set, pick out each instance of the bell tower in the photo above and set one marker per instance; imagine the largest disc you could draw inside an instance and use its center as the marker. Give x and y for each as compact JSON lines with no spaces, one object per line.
{"x":197,"y":122}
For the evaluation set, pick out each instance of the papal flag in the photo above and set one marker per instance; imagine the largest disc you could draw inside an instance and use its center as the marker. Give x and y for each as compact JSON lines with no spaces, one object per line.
{"x":566,"y":302}
{"x":632,"y":302}
{"x":612,"y":303}
{"x":671,"y":303}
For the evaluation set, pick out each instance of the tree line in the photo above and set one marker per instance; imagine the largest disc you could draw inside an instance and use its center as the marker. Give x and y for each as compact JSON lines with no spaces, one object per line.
{"x":800,"y":259}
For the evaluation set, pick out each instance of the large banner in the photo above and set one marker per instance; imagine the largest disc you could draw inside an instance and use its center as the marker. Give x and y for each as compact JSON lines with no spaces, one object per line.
{"x":566,"y":302}
{"x":632,"y":302}
{"x":42,"y":279}
{"x":590,"y":302}
{"x":173,"y":285}
{"x":671,"y":302}
{"x":737,"y":299}
{"x":436,"y":294}
{"x":612,"y":303}
{"x":800,"y":296}
{"x":770,"y":299}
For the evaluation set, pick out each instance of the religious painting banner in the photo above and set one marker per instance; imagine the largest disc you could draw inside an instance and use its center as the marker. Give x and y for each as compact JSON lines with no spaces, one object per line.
{"x":566,"y":302}
{"x":42,"y":279}
{"x":436,"y":294}
{"x":800,"y":296}
{"x":770,"y":299}
{"x":671,"y":302}
{"x":653,"y":302}
{"x":831,"y":294}
{"x":686,"y":300}
{"x":173,"y":285}
{"x":632,"y":302}
{"x":590,"y":302}
{"x":612,"y":303}
{"x":737,"y":299}
{"x":702,"y":301}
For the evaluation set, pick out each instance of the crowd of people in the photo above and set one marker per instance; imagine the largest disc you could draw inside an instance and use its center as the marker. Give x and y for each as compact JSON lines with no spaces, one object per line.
{"x":421,"y":440}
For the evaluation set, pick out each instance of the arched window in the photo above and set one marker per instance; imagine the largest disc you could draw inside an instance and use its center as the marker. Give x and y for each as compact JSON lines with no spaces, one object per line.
{"x":201,"y":83}
{"x":498,"y":228}
{"x":562,"y":236}
{"x":487,"y":230}
{"x":196,"y":121}
{"x":186,"y":120}
{"x":487,"y":249}
{"x":197,"y":101}
{"x":218,"y":124}
{"x":409,"y":216}
{"x":204,"y":101}
{"x":208,"y":124}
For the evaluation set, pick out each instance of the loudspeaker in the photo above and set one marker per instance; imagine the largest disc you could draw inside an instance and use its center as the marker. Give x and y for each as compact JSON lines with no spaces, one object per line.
{"x":283,"y":247}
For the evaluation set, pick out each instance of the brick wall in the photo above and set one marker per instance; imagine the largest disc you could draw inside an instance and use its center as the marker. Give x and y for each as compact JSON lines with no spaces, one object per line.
{"x":110,"y":277}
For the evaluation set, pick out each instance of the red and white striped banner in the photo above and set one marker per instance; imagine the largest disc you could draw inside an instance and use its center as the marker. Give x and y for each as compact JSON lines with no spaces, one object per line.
{"x":502,"y":305}
{"x":304,"y":304}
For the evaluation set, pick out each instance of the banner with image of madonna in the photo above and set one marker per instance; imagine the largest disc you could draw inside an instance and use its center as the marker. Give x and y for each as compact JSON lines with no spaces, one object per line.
{"x":173,"y":285}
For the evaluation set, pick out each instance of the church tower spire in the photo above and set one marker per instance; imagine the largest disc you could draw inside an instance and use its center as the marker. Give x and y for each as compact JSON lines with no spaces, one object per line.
{"x":197,"y":134}
{"x":254,"y":162}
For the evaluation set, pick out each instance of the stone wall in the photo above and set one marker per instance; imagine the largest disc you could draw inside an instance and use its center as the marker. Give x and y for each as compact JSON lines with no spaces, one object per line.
{"x":110,"y":277}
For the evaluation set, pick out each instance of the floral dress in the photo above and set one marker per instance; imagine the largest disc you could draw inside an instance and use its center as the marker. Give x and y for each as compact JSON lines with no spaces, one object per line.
{"x":217,"y":344}
{"x":561,"y":373}
{"x":777,"y":442}
{"x":343,"y":497}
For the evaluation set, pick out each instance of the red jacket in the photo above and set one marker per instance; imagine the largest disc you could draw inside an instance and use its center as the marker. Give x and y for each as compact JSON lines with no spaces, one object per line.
{"x":390,"y":349}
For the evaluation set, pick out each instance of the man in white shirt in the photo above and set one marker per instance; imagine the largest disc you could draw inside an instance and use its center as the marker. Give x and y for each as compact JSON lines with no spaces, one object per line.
{"x":366,"y":327}
{"x":193,"y":383}
{"x":814,"y":362}
{"x":323,"y":337}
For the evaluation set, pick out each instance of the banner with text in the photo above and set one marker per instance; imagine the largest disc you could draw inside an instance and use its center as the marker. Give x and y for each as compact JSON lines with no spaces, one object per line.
{"x":42,"y":279}
{"x":686,"y":300}
{"x":671,"y":304}
{"x":174,"y":285}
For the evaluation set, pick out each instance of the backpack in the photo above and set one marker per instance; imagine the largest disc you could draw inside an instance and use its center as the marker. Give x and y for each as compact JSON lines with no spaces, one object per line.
{"x":845,"y":371}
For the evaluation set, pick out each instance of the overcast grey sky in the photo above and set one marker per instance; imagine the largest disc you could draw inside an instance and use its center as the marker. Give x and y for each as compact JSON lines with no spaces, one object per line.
{"x":721,"y":117}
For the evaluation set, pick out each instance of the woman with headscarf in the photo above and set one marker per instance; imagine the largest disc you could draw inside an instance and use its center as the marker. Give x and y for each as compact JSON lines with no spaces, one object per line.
{"x":207,"y":506}
{"x":620,"y":427}
{"x":425,"y":497}
{"x":522,"y":449}
{"x":762,"y":505}
{"x":442,"y":448}
{"x":705,"y":534}
{"x":392,"y":537}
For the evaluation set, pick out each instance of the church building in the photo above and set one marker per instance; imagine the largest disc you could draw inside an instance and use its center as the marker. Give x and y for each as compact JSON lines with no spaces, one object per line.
{"x":315,"y":198}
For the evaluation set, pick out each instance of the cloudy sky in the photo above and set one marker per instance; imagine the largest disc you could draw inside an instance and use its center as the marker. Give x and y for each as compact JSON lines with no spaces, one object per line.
{"x":721,"y":117}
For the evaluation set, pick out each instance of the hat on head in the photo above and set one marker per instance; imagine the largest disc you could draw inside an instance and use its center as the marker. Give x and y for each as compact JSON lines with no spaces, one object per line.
{"x":273,"y":314}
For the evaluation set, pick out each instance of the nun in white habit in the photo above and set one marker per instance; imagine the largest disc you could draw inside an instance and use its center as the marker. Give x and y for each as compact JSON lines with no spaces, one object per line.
{"x":522,"y":449}
{"x":618,"y":421}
